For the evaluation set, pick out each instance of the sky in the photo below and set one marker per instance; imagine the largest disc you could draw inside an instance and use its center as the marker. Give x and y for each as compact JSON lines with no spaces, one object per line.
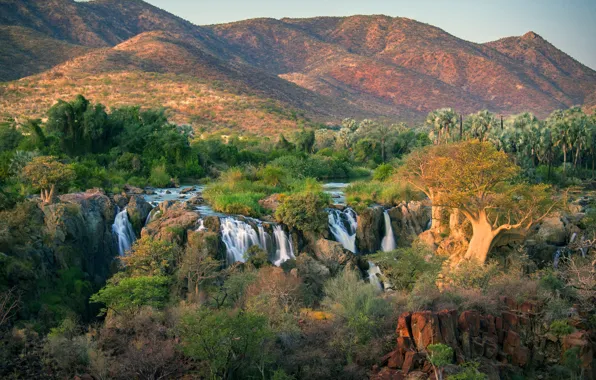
{"x":570,"y":25}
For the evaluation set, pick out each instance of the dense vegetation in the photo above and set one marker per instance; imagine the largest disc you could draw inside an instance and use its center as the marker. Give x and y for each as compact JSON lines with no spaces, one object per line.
{"x":174,"y":307}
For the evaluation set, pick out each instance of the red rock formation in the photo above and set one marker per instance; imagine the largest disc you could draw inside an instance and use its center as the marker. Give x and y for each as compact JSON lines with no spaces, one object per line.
{"x":514,"y":338}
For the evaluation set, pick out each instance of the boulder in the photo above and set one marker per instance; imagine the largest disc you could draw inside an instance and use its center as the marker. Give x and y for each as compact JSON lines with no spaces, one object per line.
{"x":120,"y":200}
{"x":173,"y":224}
{"x":196,"y":200}
{"x":552,"y":231}
{"x":332,"y":254}
{"x":187,"y":190}
{"x":138,"y":209}
{"x":370,"y":230}
{"x":129,"y":189}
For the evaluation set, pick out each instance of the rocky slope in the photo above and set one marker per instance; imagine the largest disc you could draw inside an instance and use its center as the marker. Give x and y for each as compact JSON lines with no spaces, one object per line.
{"x":330,"y":67}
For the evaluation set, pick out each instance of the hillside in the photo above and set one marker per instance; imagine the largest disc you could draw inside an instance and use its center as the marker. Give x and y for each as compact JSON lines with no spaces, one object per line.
{"x":329,"y":68}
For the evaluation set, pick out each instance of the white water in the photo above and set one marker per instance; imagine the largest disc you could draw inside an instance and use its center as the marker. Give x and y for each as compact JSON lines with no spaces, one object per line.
{"x":342,"y":225}
{"x":201,"y":226}
{"x":283,"y":246}
{"x":123,"y":231}
{"x":373,"y":275}
{"x":388,"y":242}
{"x":238,"y":236}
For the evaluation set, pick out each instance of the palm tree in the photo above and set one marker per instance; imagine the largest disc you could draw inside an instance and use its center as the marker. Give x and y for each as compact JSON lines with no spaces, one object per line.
{"x":442,"y":121}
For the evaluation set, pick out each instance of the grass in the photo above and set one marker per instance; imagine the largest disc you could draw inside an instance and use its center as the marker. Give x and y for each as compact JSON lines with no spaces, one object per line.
{"x":388,"y":193}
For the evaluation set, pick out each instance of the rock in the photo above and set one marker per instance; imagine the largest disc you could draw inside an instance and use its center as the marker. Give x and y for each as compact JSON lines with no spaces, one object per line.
{"x":196,"y":200}
{"x":149,"y":191}
{"x":187,"y":190}
{"x":271,"y":202}
{"x":332,"y":254}
{"x":173,"y":224}
{"x":129,"y":189}
{"x":138,"y":209}
{"x":552,"y":231}
{"x":425,"y":329}
{"x":408,"y":220}
{"x":370,"y":230}
{"x":312,"y":272}
{"x":120,"y":200}
{"x":581,"y":339}
{"x":428,"y":239}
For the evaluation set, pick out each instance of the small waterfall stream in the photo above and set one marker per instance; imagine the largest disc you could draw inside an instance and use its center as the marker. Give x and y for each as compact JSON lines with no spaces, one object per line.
{"x":123,"y":231}
{"x":373,"y":275}
{"x":342,"y":225}
{"x":238,"y":236}
{"x":388,"y":243}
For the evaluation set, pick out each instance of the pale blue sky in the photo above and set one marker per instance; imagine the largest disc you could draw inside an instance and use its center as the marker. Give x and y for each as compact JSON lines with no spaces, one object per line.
{"x":568,"y":24}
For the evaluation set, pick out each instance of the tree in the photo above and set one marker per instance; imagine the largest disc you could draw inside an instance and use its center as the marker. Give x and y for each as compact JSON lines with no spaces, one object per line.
{"x":127,"y":296}
{"x":568,"y":126}
{"x":226,"y":341}
{"x":305,"y":140}
{"x":383,"y":133}
{"x":442,"y":122}
{"x":151,"y":257}
{"x":482,"y":183}
{"x":439,"y":355}
{"x":45,"y":173}
{"x":480,"y":125}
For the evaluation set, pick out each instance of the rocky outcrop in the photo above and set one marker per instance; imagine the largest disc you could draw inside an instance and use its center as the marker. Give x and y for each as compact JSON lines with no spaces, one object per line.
{"x":512,"y":339}
{"x":138,"y":209}
{"x":332,"y":254}
{"x":409,"y":220}
{"x":370,"y":230}
{"x":173,"y":223}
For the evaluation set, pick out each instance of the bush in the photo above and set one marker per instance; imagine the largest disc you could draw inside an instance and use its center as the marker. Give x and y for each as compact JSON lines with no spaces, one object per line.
{"x":67,"y":348}
{"x":159,"y":176}
{"x":359,"y":308}
{"x":304,"y":211}
{"x":383,"y":172}
{"x":560,"y":328}
{"x":129,"y":295}
{"x":230,"y":344}
{"x":403,"y":267}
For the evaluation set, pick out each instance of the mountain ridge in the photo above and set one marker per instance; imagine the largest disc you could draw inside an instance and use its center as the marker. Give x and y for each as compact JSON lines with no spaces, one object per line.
{"x":359,"y":66}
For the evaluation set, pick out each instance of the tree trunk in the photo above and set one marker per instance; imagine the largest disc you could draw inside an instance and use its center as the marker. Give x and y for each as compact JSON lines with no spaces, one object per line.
{"x":564,"y":160}
{"x":482,"y":240}
{"x":436,"y":223}
{"x":456,"y":221}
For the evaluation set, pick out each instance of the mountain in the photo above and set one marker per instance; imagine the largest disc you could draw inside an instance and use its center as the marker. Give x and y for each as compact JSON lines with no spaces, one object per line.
{"x":324,"y":68}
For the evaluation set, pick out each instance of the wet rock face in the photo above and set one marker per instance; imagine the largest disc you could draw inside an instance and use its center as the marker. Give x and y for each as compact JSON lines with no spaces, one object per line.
{"x":138,"y":209}
{"x":370,"y":230}
{"x":408,"y":221}
{"x":514,"y":338}
{"x":82,"y":225}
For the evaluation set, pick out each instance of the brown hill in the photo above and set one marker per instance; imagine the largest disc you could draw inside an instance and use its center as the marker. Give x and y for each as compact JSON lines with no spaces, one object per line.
{"x":25,"y":52}
{"x":329,"y":67}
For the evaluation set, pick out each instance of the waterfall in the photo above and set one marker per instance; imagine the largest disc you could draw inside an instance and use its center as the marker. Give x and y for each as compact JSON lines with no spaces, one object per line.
{"x":388,"y":242}
{"x":238,"y":236}
{"x":123,"y":231}
{"x":373,"y":275}
{"x":342,"y":225}
{"x":284,"y":250}
{"x":201,"y":225}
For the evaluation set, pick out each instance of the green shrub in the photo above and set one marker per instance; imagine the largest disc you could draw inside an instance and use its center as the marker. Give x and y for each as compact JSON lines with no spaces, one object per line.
{"x":403,"y":267}
{"x":469,"y":371}
{"x":129,"y":295}
{"x":560,"y":327}
{"x":304,"y":211}
{"x":383,"y":172}
{"x":229,"y":343}
{"x":159,"y":176}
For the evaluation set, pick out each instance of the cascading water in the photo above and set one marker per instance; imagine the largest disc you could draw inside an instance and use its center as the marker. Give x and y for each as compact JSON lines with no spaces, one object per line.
{"x":201,"y":226}
{"x":373,"y":275}
{"x":238,"y":236}
{"x":283,"y":246}
{"x":342,"y":225}
{"x":388,"y":242}
{"x":123,"y":231}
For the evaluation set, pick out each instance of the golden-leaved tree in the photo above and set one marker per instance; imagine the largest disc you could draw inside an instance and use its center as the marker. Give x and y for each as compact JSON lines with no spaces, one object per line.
{"x":481,"y":183}
{"x":45,"y":173}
